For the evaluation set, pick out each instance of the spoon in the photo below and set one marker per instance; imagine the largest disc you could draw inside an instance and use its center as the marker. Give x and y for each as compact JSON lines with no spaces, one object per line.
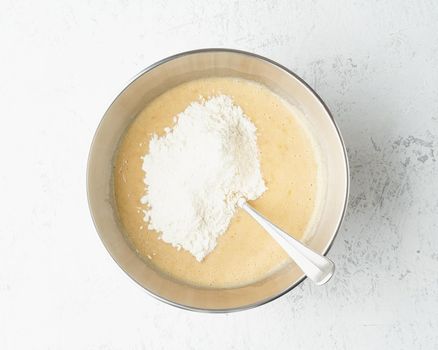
{"x":316,"y":266}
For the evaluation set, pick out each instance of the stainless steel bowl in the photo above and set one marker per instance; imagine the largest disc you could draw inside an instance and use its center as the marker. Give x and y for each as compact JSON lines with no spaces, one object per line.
{"x":173,"y":71}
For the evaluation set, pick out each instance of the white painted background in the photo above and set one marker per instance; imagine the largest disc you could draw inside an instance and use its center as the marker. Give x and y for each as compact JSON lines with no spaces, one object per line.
{"x":375,"y":63}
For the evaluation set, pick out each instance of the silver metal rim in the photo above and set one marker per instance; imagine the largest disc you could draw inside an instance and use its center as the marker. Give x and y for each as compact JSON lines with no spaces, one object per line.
{"x":330,"y":243}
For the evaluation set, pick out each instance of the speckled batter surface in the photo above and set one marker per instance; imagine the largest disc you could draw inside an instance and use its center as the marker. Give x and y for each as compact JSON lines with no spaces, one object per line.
{"x":245,"y":253}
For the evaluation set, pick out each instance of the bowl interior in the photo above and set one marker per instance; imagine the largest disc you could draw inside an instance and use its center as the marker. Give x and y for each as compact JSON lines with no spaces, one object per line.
{"x":159,"y":78}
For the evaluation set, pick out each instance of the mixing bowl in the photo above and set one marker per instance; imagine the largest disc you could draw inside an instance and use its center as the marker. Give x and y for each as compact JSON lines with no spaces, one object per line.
{"x":166,"y":74}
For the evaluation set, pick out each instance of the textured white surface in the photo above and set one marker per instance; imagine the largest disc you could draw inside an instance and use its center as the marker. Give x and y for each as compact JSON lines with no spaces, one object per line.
{"x":376,"y":66}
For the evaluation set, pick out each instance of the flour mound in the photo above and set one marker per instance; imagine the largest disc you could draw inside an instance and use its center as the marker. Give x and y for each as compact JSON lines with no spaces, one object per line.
{"x":197,"y":171}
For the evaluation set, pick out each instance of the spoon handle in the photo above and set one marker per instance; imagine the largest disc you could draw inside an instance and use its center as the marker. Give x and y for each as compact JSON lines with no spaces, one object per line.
{"x":317,"y":267}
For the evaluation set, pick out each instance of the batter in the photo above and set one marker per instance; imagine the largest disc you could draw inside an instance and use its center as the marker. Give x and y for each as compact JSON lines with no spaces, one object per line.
{"x":245,"y":253}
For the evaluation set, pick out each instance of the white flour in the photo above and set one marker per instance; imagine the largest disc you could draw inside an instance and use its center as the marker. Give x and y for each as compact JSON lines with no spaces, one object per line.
{"x":197,"y":171}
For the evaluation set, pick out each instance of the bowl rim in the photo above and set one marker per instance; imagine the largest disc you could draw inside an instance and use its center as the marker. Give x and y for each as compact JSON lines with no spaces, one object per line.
{"x":306,"y":86}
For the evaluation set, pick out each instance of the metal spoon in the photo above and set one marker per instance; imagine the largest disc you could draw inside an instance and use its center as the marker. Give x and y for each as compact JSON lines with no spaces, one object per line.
{"x":317,"y":267}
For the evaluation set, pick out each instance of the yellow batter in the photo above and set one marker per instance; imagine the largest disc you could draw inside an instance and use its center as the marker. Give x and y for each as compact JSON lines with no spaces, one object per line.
{"x":245,"y":252}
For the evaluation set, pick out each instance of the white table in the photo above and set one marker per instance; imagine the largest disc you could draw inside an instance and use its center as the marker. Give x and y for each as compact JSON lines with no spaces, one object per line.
{"x":376,"y":66}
